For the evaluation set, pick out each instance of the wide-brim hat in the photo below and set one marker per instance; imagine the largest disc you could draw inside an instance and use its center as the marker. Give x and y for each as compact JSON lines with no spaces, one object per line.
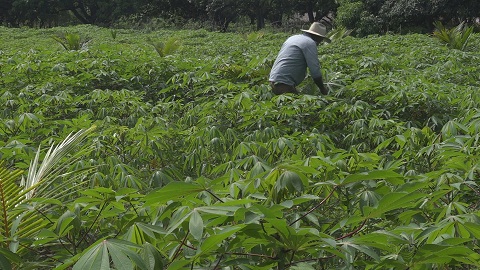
{"x":318,"y":29}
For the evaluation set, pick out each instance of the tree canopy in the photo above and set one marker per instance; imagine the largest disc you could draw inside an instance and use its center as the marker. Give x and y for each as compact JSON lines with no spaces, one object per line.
{"x":363,"y":16}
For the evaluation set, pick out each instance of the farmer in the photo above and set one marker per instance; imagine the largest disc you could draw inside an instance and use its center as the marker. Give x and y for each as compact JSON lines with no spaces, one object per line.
{"x":297,"y":53}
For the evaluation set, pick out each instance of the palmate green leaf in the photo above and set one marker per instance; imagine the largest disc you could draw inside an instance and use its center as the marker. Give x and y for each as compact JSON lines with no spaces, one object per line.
{"x":391,"y":201}
{"x":180,"y":215}
{"x":258,"y":169}
{"x":196,"y":225}
{"x":219,"y":209}
{"x":94,"y":258}
{"x":135,"y":235}
{"x":441,"y":254}
{"x":150,"y":229}
{"x":120,"y":252}
{"x":152,"y":257}
{"x":381,"y":240}
{"x":388,"y":175}
{"x":213,"y":241}
{"x":291,"y":181}
{"x":473,"y":228}
{"x":280,"y":226}
{"x":302,"y":266}
{"x":64,"y":223}
{"x":179,"y":264}
{"x":172,"y":191}
{"x":349,"y":246}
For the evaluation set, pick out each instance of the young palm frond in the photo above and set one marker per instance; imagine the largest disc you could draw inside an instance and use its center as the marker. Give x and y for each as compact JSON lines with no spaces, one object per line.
{"x":71,"y":41}
{"x":171,"y":45}
{"x":10,"y":195}
{"x":113,"y":33}
{"x":253,"y":36}
{"x":54,"y":165}
{"x":166,"y":48}
{"x":339,"y":33}
{"x":455,"y":38}
{"x":22,"y":207}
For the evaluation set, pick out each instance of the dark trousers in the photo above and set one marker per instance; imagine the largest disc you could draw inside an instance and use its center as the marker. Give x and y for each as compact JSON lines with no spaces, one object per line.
{"x":281,"y":88}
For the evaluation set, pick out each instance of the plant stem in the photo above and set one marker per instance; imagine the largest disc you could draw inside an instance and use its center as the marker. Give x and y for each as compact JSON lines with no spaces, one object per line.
{"x":315,"y":207}
{"x":218,"y":262}
{"x":215,"y":196}
{"x":353,"y":232}
{"x":251,"y":254}
{"x":177,"y":252}
{"x":91,"y":226}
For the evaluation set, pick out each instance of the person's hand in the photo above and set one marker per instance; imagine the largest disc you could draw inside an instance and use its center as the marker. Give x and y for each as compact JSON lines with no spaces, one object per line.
{"x":319,"y":82}
{"x":324,"y":90}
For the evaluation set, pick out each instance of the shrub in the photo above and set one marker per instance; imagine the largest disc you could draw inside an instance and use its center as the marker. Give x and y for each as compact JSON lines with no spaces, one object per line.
{"x":166,"y":48}
{"x":456,"y":37}
{"x":71,"y":41}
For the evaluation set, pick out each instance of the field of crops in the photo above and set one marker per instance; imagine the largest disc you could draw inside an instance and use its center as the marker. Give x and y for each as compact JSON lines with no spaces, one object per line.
{"x":180,"y":157}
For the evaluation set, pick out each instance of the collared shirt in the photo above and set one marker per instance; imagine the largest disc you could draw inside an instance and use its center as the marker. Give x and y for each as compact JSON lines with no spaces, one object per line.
{"x":297,"y":53}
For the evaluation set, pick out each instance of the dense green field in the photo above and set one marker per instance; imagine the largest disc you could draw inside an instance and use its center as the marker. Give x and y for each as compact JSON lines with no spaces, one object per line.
{"x":187,"y":161}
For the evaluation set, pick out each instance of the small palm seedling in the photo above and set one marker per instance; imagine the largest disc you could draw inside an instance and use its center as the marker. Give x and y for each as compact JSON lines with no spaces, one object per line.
{"x":455,"y":38}
{"x":165,"y":48}
{"x":253,"y":36}
{"x":71,"y":41}
{"x":339,"y":33}
{"x":113,"y":33}
{"x":22,"y":207}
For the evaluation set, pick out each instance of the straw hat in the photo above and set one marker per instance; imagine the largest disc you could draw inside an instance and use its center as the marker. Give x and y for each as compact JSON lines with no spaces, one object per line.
{"x":318,"y":29}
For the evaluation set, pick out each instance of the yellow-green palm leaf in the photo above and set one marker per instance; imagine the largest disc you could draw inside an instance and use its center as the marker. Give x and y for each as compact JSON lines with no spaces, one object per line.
{"x":22,"y":208}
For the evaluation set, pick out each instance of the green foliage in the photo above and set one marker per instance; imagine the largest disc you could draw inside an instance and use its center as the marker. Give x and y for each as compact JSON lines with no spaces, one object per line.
{"x":71,"y":41}
{"x":113,"y":33}
{"x":349,"y":13}
{"x":117,"y":251}
{"x":168,"y":47}
{"x":195,"y":164}
{"x":24,"y":206}
{"x":339,"y":33}
{"x":253,"y":36}
{"x":456,"y":37}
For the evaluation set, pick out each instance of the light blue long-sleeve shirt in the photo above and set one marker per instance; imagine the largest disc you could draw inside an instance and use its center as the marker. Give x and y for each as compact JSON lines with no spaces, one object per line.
{"x":297,"y":53}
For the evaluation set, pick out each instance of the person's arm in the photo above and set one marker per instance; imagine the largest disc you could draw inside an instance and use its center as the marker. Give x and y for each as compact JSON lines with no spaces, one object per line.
{"x":311,"y":56}
{"x":319,"y":82}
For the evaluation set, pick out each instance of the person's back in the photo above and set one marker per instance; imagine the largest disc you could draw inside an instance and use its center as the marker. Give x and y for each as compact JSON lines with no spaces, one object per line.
{"x":297,"y":53}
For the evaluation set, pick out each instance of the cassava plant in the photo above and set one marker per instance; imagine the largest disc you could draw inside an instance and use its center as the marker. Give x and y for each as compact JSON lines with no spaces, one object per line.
{"x":195,"y":164}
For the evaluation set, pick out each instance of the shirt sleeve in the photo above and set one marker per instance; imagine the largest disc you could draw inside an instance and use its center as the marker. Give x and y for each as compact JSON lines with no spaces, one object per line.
{"x":311,"y":56}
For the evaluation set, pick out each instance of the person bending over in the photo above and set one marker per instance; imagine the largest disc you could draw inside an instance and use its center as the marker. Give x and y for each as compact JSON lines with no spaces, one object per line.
{"x":297,"y":53}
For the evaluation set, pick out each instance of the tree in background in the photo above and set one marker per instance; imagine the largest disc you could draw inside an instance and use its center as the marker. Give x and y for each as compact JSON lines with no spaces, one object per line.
{"x":315,"y":9}
{"x":259,"y":10}
{"x":42,"y":13}
{"x":401,"y":16}
{"x":100,"y":12}
{"x":364,"y":16}
{"x":4,"y":11}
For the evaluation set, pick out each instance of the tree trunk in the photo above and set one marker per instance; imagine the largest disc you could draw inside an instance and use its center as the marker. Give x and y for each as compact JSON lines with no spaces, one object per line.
{"x":260,"y":21}
{"x":311,"y":16}
{"x":79,"y":16}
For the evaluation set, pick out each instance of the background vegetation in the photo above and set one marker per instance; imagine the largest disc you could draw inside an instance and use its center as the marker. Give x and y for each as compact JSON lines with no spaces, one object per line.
{"x":364,"y":16}
{"x":166,"y":149}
